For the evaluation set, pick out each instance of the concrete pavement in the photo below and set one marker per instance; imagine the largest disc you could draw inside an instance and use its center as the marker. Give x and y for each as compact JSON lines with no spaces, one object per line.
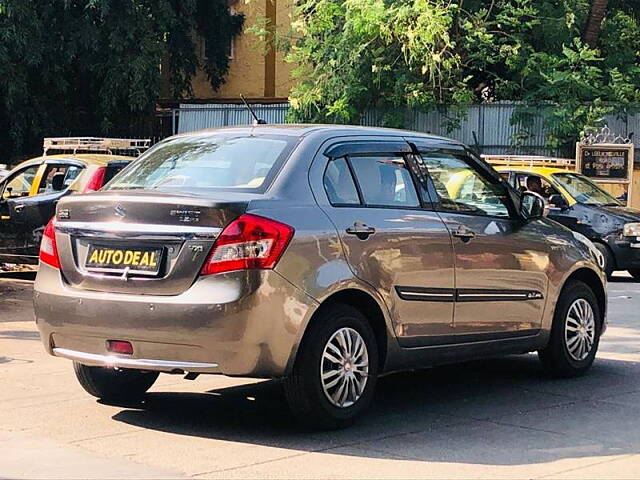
{"x":500,"y":418}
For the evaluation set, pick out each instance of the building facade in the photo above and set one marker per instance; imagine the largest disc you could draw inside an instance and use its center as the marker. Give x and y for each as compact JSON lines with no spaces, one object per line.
{"x":257,"y":71}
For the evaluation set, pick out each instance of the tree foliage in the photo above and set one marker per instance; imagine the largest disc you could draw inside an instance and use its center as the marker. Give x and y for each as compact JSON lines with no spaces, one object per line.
{"x":90,"y":66}
{"x":391,"y":54}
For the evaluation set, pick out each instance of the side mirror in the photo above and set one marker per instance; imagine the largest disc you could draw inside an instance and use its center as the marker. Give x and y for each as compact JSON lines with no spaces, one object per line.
{"x":557,"y":201}
{"x":532,"y":206}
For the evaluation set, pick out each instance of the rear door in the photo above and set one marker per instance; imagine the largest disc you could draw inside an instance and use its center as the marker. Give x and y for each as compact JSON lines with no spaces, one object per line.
{"x":501,"y":261}
{"x":391,"y":238}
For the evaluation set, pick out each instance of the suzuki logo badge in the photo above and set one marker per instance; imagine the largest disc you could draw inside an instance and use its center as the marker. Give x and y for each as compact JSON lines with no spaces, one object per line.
{"x":119,"y":211}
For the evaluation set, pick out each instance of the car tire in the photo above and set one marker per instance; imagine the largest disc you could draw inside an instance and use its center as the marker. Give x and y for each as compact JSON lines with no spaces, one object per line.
{"x":332,"y":351}
{"x":609,"y":260}
{"x":114,"y":385}
{"x":635,"y":273}
{"x":575,"y":333}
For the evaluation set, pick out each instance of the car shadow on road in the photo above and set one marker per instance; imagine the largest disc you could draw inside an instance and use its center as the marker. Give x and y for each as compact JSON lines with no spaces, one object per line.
{"x":501,"y":411}
{"x":19,"y":275}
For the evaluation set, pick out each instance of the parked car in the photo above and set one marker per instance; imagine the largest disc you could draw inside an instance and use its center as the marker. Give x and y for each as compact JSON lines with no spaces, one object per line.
{"x":29,"y":193}
{"x":3,"y":171}
{"x":581,"y":205}
{"x":322,"y":255}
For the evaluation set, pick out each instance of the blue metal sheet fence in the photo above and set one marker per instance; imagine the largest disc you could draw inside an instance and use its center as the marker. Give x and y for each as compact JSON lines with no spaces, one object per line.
{"x":489,"y":126}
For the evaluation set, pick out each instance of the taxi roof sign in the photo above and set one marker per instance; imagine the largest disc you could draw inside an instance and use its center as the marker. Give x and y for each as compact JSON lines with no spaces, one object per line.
{"x":96,"y":144}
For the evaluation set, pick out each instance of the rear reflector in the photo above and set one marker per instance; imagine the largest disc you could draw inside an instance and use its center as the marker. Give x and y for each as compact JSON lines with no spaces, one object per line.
{"x":48,"y":247}
{"x":120,"y":346}
{"x":249,"y":242}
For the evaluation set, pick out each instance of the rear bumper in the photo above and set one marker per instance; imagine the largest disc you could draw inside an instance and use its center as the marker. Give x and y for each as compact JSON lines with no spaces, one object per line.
{"x":240,"y":323}
{"x":117,"y":361}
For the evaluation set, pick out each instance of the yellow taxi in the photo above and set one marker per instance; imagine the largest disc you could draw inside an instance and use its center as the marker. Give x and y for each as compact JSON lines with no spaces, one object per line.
{"x":30,"y":191}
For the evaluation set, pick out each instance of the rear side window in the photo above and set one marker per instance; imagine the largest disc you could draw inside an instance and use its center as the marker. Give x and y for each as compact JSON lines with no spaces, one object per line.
{"x":384,"y":181}
{"x":112,"y":169}
{"x":221,"y":162}
{"x":338,"y":183}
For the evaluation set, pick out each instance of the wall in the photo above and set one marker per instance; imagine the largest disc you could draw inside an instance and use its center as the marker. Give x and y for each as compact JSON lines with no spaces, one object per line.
{"x":247,"y":70}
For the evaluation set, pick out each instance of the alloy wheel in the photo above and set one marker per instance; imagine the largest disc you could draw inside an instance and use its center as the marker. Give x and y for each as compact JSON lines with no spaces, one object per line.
{"x":580,"y":329}
{"x":344,"y":368}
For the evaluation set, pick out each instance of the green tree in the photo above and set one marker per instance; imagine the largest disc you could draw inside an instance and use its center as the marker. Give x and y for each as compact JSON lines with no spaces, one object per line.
{"x":352,"y":55}
{"x":94,"y":66}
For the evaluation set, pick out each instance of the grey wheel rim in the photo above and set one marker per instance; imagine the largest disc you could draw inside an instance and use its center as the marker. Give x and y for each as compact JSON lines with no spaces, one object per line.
{"x":344,"y":368}
{"x":580,"y":329}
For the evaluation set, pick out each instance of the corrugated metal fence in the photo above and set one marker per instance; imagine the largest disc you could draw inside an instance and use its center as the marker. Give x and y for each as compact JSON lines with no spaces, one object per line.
{"x":487,"y":125}
{"x":192,"y":117}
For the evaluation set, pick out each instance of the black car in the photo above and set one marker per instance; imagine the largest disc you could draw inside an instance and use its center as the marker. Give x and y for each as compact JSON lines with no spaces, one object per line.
{"x":581,"y":205}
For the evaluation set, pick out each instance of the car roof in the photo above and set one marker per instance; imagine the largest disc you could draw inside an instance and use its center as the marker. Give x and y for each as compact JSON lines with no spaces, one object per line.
{"x":302,"y":129}
{"x":544,"y":171}
{"x":98,"y":159}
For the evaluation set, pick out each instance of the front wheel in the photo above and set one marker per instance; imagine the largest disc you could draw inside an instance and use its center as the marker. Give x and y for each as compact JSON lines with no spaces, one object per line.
{"x":110,"y":384}
{"x":335,"y":372}
{"x":575,"y":333}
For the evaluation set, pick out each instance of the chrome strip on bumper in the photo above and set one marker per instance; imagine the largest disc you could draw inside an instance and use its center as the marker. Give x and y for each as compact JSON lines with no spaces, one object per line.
{"x":93,"y":359}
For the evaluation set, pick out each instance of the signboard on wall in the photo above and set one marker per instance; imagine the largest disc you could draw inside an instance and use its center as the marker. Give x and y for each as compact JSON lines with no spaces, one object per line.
{"x":606,"y":162}
{"x":607,"y":158}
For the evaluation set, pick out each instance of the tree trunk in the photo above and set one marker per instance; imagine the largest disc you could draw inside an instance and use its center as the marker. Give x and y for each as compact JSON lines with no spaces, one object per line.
{"x":594,"y":22}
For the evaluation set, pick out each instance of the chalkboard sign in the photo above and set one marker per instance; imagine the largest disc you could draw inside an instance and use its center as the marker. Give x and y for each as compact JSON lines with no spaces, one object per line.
{"x":605,"y":162}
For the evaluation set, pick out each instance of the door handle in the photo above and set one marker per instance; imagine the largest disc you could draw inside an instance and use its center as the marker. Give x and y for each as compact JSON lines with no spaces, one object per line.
{"x":18,"y":208}
{"x":361,"y":230}
{"x":463,"y":233}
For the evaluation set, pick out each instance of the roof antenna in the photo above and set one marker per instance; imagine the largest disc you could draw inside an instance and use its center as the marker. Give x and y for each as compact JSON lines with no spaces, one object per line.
{"x":256,"y":120}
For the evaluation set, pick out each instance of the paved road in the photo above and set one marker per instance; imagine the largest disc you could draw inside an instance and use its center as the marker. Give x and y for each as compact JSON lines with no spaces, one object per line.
{"x":499,"y":418}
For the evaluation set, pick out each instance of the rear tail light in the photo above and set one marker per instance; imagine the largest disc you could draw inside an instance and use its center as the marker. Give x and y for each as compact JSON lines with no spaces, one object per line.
{"x":48,"y":247}
{"x":249,"y":242}
{"x":96,"y":181}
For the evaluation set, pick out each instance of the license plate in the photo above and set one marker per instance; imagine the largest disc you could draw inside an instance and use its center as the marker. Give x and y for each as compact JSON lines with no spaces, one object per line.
{"x":141,"y":260}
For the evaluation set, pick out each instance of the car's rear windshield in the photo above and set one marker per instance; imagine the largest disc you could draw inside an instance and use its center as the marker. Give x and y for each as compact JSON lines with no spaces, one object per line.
{"x":242,"y":163}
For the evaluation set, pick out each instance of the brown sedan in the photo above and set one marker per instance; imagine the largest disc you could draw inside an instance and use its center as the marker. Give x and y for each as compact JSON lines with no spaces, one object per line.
{"x":323,"y":255}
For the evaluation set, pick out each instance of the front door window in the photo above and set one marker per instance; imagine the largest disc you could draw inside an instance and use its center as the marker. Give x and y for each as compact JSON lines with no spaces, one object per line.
{"x":19,"y":184}
{"x":462,"y":189}
{"x":526,"y":182}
